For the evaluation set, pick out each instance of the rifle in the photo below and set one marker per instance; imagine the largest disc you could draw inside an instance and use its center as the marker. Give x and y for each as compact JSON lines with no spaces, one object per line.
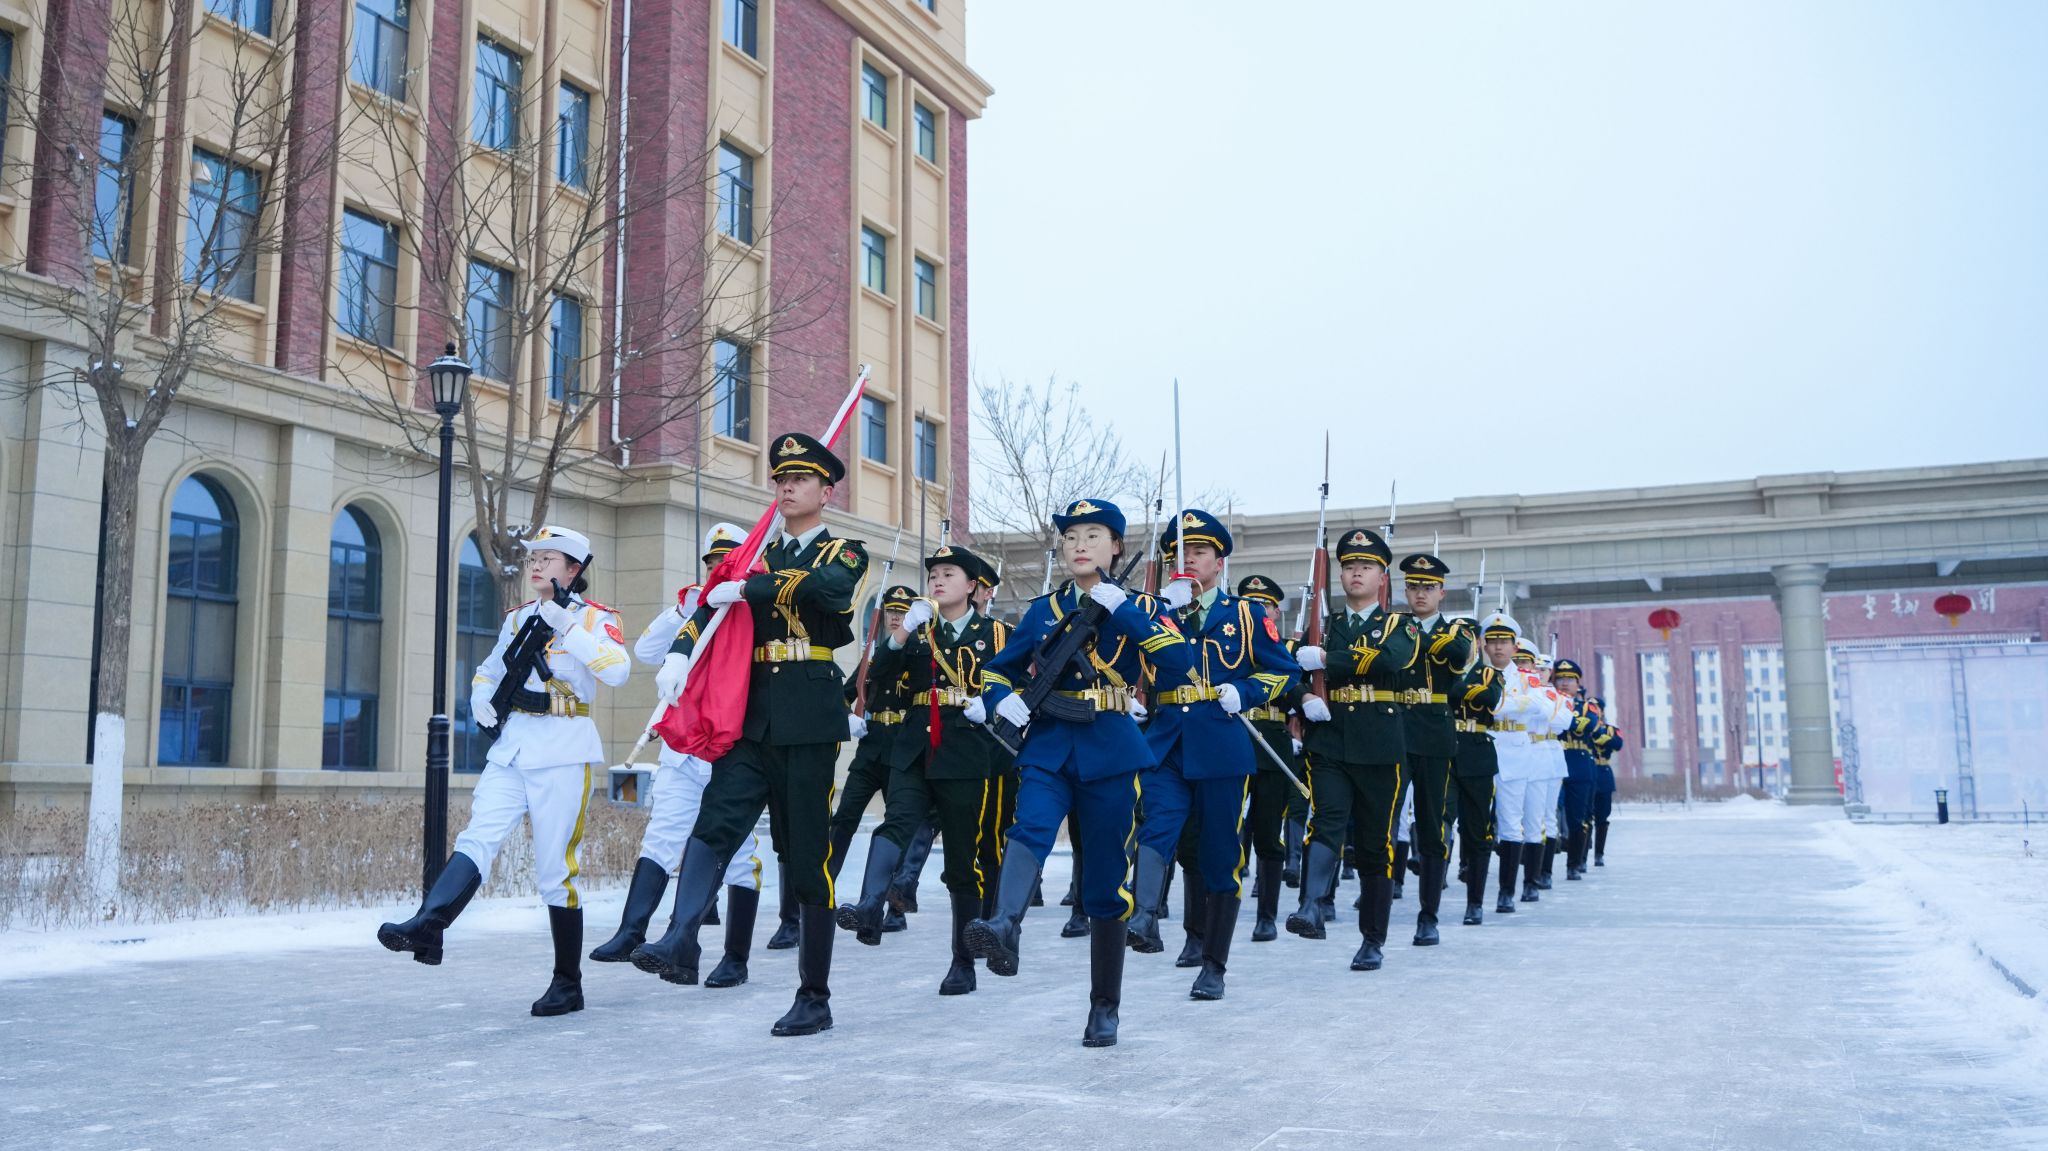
{"x":1060,"y":647}
{"x":867,"y":651}
{"x":1319,"y":578}
{"x":1152,"y":536}
{"x":1387,"y":532}
{"x":527,"y":655}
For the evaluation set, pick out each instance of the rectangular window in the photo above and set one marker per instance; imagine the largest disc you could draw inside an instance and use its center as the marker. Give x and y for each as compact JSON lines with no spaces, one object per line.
{"x":927,"y":132}
{"x":381,"y":37}
{"x":497,"y":95}
{"x":736,"y":193}
{"x":732,"y":389}
{"x":113,"y":197}
{"x":927,"y":288}
{"x":6,"y":86}
{"x":927,"y":450}
{"x":874,"y":429}
{"x":251,"y":14}
{"x":572,"y":138}
{"x":369,"y":278}
{"x":490,"y":320}
{"x":565,"y":351}
{"x":874,"y":271}
{"x":741,"y":18}
{"x":220,"y":254}
{"x":875,"y":89}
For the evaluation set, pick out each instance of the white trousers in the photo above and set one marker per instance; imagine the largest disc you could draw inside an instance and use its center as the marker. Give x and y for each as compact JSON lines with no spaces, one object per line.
{"x":678,"y":795}
{"x":1552,"y":789}
{"x":554,"y":800}
{"x":1407,"y":817}
{"x":1509,"y":797}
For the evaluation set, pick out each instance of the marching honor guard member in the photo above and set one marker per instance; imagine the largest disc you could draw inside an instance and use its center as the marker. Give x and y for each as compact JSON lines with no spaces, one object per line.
{"x":1517,"y":792}
{"x":1478,"y":699}
{"x":1205,"y":755}
{"x":1356,"y":744}
{"x":888,"y":700}
{"x":540,"y":765}
{"x":678,"y":792}
{"x":1084,"y":752}
{"x":1450,"y":646}
{"x":1580,"y":773}
{"x":1604,"y":750}
{"x":1546,"y":758}
{"x":944,"y":761}
{"x":1272,"y":795}
{"x":796,"y":717}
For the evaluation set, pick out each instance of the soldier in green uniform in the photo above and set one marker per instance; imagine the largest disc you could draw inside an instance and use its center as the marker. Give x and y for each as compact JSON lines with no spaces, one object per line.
{"x":1450,"y":645}
{"x":1271,"y":795}
{"x":1476,"y":697}
{"x":796,"y":717}
{"x":1356,"y":743}
{"x":944,"y":761}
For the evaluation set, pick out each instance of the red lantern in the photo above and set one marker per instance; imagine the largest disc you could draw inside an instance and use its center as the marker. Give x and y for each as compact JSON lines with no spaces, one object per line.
{"x":1954,"y":606}
{"x":1665,"y":619}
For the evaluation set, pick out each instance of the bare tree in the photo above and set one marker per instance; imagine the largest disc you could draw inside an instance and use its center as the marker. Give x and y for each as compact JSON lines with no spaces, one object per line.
{"x":504,"y":224}
{"x":151,"y":306}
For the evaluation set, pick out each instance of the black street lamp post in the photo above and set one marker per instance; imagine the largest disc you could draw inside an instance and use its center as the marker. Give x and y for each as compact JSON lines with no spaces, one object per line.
{"x":449,"y":378}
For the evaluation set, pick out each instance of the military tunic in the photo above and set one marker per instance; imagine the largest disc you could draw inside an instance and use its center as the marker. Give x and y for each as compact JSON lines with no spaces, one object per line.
{"x":1449,"y":646}
{"x":1355,"y":761}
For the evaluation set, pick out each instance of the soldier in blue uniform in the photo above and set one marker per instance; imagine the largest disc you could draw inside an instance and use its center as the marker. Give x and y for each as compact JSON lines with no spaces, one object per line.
{"x":1089,"y":769}
{"x":1356,"y":744}
{"x":1581,"y":774}
{"x":1272,"y":795}
{"x":1206,"y":758}
{"x":1604,"y":749}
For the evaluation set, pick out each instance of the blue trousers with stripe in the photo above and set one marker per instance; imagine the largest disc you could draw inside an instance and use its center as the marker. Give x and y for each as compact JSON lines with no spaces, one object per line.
{"x":1216,"y":806}
{"x":1103,"y":809}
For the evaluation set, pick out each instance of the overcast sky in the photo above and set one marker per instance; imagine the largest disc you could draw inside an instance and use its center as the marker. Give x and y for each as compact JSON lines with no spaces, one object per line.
{"x":1519,"y":247}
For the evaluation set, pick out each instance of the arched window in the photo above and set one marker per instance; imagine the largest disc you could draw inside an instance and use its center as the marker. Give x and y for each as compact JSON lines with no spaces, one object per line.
{"x":199,"y":626}
{"x":477,"y":618}
{"x":355,"y":643}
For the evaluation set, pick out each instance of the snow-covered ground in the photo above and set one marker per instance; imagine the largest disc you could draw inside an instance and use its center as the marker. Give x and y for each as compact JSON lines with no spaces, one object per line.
{"x":1742,"y":976}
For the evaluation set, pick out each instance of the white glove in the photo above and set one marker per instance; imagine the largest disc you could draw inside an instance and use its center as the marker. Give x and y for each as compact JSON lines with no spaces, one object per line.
{"x":1228,"y":697}
{"x":481,"y":710}
{"x":1314,"y":709}
{"x":1108,"y":594}
{"x":856,"y":726}
{"x":560,"y":618}
{"x":1179,"y":593}
{"x":668,"y":682}
{"x":1138,"y":711}
{"x":731,"y":591}
{"x":975,"y":710}
{"x":920,"y":614}
{"x":1014,"y":710}
{"x":1297,"y":745}
{"x":1309,"y":657}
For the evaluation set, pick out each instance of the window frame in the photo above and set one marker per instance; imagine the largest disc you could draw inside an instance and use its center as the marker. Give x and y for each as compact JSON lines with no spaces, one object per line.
{"x":202,"y":213}
{"x":6,"y":87}
{"x":572,"y":164}
{"x":370,"y":556}
{"x":732,"y":390}
{"x":874,"y":84}
{"x":228,"y":521}
{"x":560,"y":367}
{"x":124,"y":197}
{"x":925,"y":443}
{"x":392,"y":86}
{"x":925,"y":131}
{"x":477,"y":620}
{"x":232,"y":12}
{"x":741,"y":26}
{"x":354,"y":286}
{"x":874,"y":248}
{"x":492,"y":361}
{"x":736,"y":212}
{"x":925,"y":280}
{"x":481,"y":82}
{"x":874,"y":429}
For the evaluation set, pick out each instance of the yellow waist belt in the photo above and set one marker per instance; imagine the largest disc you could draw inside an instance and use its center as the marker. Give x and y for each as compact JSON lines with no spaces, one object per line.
{"x":1267,"y":714}
{"x":884,"y":718}
{"x":1505,"y":726}
{"x":1575,"y":745}
{"x":1470,"y":725}
{"x":1363,"y":695}
{"x":1541,"y":737}
{"x":1117,"y":699}
{"x":791,"y":651}
{"x":948,"y":697}
{"x":1192,"y":694}
{"x":1423,"y":695}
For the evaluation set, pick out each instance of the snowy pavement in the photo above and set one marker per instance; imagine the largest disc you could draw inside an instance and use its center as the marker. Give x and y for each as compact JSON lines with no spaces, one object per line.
{"x":1732,"y":979}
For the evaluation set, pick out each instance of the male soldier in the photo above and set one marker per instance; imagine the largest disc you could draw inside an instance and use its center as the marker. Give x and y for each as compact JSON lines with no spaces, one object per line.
{"x":678,"y":793}
{"x":888,"y":699}
{"x":1206,"y":757}
{"x":540,"y":765}
{"x":1477,"y":700}
{"x":1272,"y":793}
{"x":1581,"y":774}
{"x":1083,"y":754}
{"x":796,"y":716}
{"x":942,"y":762}
{"x":1356,"y":744}
{"x":1546,"y":754}
{"x":1604,"y":749}
{"x":1449,"y":648}
{"x":1517,"y":792}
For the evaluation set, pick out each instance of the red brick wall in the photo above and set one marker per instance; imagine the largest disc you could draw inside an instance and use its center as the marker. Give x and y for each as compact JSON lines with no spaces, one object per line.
{"x":306,"y":262}
{"x":956,"y":322}
{"x":72,"y":91}
{"x":445,"y":133}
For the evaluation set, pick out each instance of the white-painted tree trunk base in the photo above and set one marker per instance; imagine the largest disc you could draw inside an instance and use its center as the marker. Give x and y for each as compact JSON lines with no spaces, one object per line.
{"x":103,"y":814}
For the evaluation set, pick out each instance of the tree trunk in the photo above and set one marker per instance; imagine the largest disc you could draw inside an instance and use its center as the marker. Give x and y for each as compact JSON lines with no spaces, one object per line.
{"x":120,"y":485}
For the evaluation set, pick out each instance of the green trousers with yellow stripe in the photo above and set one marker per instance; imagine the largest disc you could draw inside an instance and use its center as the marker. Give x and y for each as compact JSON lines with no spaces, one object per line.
{"x":1369,"y":793}
{"x":969,"y":814}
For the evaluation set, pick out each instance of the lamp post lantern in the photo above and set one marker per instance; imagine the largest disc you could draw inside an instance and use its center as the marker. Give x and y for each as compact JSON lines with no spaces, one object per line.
{"x":448,"y":377}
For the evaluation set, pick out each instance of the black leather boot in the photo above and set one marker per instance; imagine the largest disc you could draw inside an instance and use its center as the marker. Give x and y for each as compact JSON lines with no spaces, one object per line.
{"x":565,"y":990}
{"x":650,"y":880}
{"x":812,"y":1011}
{"x":1076,"y":925}
{"x":1293,"y":836}
{"x":1575,"y":867}
{"x":1510,"y":855}
{"x":902,"y":894}
{"x":1543,"y":869}
{"x":1194,"y":902}
{"x":1350,"y":860}
{"x":742,"y":905}
{"x":1400,"y":868}
{"x":1148,"y":887}
{"x":785,"y":927}
{"x":892,"y":920}
{"x":864,"y":919}
{"x":1067,"y":900}
{"x":675,"y":955}
{"x":1105,"y":981}
{"x":1165,"y":889}
{"x":1266,"y":893}
{"x":1372,"y":923}
{"x":997,"y":937}
{"x":1532,"y":869}
{"x":1475,"y":888}
{"x":1600,"y":844}
{"x":1038,"y":892}
{"x":960,"y":975}
{"x":1219,"y":923}
{"x":1319,"y":870}
{"x":1431,"y":894}
{"x":451,"y":892}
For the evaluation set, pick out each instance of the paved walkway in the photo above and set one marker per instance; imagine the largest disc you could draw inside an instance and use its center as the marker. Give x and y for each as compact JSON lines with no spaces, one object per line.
{"x":1719,"y":985}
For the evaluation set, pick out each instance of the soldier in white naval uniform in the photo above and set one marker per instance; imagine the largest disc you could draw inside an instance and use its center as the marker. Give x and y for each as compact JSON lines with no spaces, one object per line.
{"x":1514,"y":811}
